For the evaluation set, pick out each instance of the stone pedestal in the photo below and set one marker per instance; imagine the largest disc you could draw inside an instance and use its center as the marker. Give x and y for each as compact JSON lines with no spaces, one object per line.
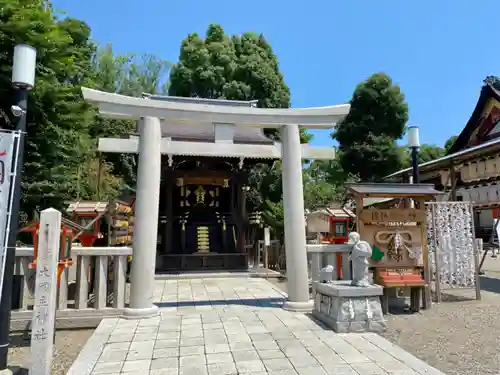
{"x":346,"y":308}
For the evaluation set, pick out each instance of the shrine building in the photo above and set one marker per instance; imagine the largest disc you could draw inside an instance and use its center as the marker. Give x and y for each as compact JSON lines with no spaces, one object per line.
{"x":194,"y":161}
{"x":470,"y":170}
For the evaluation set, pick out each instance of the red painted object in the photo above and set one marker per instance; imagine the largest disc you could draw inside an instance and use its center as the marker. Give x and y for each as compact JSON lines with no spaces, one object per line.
{"x":88,"y":237}
{"x":390,"y":279}
{"x":338,"y":235}
{"x":65,"y":260}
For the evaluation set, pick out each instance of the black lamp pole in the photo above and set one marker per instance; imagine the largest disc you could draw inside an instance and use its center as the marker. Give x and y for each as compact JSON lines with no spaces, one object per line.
{"x":10,"y":255}
{"x":414,"y":165}
{"x":414,"y":145}
{"x":23,"y":79}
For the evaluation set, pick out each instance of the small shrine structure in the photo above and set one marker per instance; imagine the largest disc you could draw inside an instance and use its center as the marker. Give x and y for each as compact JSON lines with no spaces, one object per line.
{"x":332,"y":224}
{"x":171,"y":126}
{"x":398,"y":237}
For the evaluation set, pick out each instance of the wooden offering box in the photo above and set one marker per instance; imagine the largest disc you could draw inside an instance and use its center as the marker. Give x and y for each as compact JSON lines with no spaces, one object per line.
{"x":397,"y":234}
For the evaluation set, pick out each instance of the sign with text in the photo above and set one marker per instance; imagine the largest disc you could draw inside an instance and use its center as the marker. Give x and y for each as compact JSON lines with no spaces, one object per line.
{"x":394,"y":215}
{"x":8,"y":164}
{"x":267,"y":236}
{"x":44,"y":309}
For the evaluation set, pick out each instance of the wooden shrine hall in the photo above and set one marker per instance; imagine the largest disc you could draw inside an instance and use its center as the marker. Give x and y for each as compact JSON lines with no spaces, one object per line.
{"x":203,"y":218}
{"x":194,"y":158}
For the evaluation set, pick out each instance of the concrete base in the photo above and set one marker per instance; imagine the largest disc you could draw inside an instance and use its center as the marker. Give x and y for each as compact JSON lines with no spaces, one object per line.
{"x":298,"y":306}
{"x":346,"y":308}
{"x":16,"y":370}
{"x":151,"y":312}
{"x":251,"y":272}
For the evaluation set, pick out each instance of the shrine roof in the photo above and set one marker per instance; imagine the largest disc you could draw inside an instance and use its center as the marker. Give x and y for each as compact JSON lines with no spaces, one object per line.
{"x":333,"y":212}
{"x":206,"y":133}
{"x":395,"y":190}
{"x":87,"y":206}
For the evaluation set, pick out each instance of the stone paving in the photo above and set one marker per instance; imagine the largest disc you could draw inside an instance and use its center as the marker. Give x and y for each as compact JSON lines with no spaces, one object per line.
{"x":235,"y":326}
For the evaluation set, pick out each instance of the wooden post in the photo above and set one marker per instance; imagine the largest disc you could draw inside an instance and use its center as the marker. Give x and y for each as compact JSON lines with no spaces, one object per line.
{"x":267,"y":243}
{"x":427,"y":297}
{"x":436,"y":254}
{"x":476,"y":254}
{"x":240,"y":246}
{"x":169,"y":214}
{"x":43,"y":318}
{"x":453,"y":179}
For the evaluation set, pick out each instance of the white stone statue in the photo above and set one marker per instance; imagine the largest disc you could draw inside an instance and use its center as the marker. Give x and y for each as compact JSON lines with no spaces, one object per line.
{"x":361,"y":251}
{"x":326,"y":274}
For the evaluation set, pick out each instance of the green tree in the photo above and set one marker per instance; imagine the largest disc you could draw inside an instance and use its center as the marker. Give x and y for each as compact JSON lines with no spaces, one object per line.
{"x":224,"y":67}
{"x":367,"y":136}
{"x":449,"y":143}
{"x":239,"y":67}
{"x":128,"y":75}
{"x":58,"y":118}
{"x":426,"y":153}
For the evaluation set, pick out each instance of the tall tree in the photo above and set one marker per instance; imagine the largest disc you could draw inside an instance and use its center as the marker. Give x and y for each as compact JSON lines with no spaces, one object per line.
{"x":224,"y":67}
{"x":128,"y":75}
{"x":239,"y":67}
{"x":367,"y":136}
{"x":58,"y":118}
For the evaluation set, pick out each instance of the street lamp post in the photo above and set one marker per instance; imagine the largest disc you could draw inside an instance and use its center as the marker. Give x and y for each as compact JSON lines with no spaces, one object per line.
{"x":23,"y":80}
{"x":414,"y":145}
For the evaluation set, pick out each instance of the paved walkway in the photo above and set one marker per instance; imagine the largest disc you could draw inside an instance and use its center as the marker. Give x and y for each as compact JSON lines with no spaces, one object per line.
{"x":235,"y":326}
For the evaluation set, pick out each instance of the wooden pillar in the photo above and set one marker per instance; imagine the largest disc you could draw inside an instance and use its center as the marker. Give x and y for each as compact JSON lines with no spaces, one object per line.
{"x":168,"y":206}
{"x":240,"y":212}
{"x":453,"y":178}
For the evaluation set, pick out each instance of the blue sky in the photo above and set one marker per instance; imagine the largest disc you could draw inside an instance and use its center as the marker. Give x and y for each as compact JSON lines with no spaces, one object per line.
{"x":437,"y":51}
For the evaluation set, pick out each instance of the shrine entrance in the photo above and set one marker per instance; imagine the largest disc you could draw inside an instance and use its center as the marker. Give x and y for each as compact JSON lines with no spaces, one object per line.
{"x":171,"y":129}
{"x":203,"y":219}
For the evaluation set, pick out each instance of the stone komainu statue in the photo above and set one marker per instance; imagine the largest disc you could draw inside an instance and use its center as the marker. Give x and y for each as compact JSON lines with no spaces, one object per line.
{"x":361,"y":251}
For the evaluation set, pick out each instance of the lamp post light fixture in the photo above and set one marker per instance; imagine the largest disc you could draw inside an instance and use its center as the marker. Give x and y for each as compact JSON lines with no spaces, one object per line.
{"x":414,"y":145}
{"x":23,"y":80}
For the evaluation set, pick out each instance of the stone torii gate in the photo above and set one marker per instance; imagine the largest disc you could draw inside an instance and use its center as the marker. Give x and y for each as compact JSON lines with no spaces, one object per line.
{"x":225,"y":118}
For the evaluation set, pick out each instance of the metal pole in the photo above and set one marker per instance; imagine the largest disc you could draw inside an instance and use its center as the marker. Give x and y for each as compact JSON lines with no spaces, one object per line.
{"x":5,"y":302}
{"x":414,"y":163}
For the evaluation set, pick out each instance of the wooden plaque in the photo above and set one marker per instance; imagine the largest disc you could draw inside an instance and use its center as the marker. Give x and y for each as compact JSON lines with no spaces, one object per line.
{"x":398,"y":215}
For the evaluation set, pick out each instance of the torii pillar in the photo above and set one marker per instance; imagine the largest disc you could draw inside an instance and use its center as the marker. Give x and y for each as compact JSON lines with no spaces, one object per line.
{"x":294,"y":220}
{"x":146,"y":221}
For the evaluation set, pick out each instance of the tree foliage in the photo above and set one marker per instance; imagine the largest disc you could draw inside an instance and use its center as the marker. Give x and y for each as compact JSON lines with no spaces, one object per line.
{"x":367,"y":136}
{"x":127,"y":75}
{"x":238,"y":67}
{"x":58,"y":118}
{"x":61,"y":162}
{"x":449,"y":143}
{"x":229,"y":67}
{"x":427,"y":152}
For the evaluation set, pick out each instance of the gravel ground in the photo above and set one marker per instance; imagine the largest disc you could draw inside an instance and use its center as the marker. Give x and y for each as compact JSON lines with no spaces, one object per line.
{"x":69,"y":343}
{"x":460,"y":336}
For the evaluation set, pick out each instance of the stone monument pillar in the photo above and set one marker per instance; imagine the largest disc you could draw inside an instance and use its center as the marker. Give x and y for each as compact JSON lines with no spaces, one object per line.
{"x":44,"y":309}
